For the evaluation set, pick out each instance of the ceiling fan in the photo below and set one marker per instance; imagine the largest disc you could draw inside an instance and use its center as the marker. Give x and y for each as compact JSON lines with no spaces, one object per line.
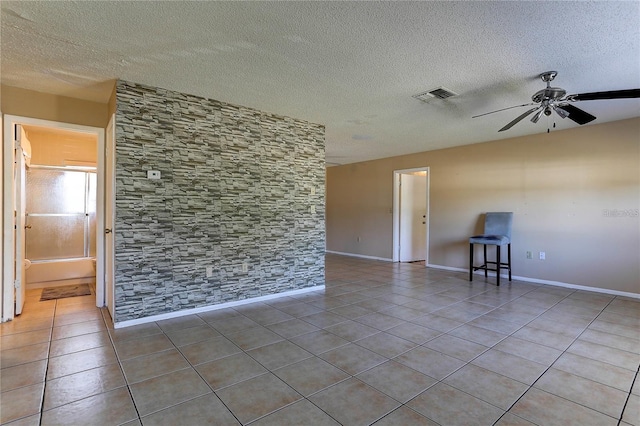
{"x":552,"y":99}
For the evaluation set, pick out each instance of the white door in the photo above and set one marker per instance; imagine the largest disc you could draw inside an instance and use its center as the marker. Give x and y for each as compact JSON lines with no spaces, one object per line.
{"x":413,"y":217}
{"x":109,"y":209}
{"x":20,"y":218}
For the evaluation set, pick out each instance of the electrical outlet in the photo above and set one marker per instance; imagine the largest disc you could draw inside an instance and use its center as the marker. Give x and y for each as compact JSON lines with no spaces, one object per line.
{"x":529,"y":255}
{"x":313,"y":209}
{"x":209,"y":271}
{"x":313,"y":190}
{"x":543,"y":255}
{"x":245,"y":267}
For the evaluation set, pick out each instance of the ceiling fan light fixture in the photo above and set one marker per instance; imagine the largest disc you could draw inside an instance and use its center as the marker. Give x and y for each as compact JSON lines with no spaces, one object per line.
{"x":561,"y":112}
{"x":537,"y":116}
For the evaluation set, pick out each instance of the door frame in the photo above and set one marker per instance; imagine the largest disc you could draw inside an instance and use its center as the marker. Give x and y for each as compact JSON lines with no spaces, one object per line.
{"x":8,"y":257}
{"x":396,"y":211}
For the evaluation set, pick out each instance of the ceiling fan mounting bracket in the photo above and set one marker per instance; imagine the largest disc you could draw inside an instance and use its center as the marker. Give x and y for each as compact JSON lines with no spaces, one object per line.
{"x":548,"y":76}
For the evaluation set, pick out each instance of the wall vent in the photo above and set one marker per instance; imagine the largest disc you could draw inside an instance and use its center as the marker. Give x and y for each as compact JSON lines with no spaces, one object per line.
{"x":438,"y":93}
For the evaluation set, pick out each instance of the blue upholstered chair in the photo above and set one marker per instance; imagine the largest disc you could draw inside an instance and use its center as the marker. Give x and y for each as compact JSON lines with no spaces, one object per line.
{"x":497,"y":232}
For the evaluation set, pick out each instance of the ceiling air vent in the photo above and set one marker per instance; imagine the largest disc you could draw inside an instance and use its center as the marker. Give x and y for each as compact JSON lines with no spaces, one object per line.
{"x":439,"y":93}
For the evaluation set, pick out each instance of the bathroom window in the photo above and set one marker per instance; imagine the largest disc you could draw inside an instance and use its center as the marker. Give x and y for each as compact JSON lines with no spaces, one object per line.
{"x":61,"y":213}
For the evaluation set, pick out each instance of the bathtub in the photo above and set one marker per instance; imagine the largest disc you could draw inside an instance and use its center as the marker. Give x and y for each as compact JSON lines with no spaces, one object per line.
{"x":53,"y":273}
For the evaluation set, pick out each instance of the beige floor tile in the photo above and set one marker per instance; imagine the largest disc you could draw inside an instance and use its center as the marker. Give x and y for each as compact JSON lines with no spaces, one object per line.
{"x":292,"y":328}
{"x":354,"y":402}
{"x":299,"y":413}
{"x":134,"y":332}
{"x":79,"y":343}
{"x":300,"y":309}
{"x":153,"y":365}
{"x":204,"y":410}
{"x":612,"y":340}
{"x":351,"y":311}
{"x":601,"y":372}
{"x":512,"y":366}
{"x":180,"y":323}
{"x":24,"y":354}
{"x":414,"y":333}
{"x":13,"y":341}
{"x":436,"y":322}
{"x":430,"y":362}
{"x":449,"y":406}
{"x":319,"y":341}
{"x":543,"y":337}
{"x":529,"y":350}
{"x":143,"y":346}
{"x":631,"y":413}
{"x":478,"y":335}
{"x":253,"y":338}
{"x":352,"y":359}
{"x":80,"y":361}
{"x":594,"y":395}
{"x":310,"y":375}
{"x":279,"y":354}
{"x":26,"y":421}
{"x":619,"y":329}
{"x":352,"y":330}
{"x":74,"y":387}
{"x":247,"y":404}
{"x":22,"y":402}
{"x":404,"y":416}
{"x":386,"y":344}
{"x":233,"y":324}
{"x":109,"y":408}
{"x":192,"y":335}
{"x":22,"y":326}
{"x":170,"y":389}
{"x":229,"y":370}
{"x":543,"y":408}
{"x":607,"y":354}
{"x":78,"y":317}
{"x":498,"y":325}
{"x":209,"y":350}
{"x":488,"y":386}
{"x":397,"y":380}
{"x":22,"y":375}
{"x":78,"y":329}
{"x":456,"y":347}
{"x":510,"y":420}
{"x":379,"y":321}
{"x":270,"y":316}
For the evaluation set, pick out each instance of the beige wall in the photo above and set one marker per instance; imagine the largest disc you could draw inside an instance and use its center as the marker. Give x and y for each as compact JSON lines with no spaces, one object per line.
{"x":28,"y":103}
{"x":54,"y":147}
{"x":558,"y":185}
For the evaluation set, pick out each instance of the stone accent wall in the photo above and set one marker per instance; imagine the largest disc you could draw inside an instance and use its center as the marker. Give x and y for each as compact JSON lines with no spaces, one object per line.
{"x":237,"y":187}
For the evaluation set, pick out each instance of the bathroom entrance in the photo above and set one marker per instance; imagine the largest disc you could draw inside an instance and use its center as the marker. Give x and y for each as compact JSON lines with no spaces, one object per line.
{"x":56,"y":209}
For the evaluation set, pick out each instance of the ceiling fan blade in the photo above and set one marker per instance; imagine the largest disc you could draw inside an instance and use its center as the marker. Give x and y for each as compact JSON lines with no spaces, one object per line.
{"x":614,"y":94}
{"x":520,"y":117}
{"x":576,"y":114}
{"x":503,"y":109}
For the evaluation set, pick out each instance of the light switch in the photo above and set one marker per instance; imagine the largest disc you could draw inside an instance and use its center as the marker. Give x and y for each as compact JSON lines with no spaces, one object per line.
{"x":313,"y":190}
{"x":153,"y":174}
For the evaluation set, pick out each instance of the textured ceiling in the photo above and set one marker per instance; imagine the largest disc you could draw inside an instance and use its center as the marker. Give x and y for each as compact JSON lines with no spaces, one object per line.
{"x":352,"y":66}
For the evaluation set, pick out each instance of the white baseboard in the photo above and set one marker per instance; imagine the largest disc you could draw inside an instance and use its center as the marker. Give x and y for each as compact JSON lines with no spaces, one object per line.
{"x":386,"y":259}
{"x":546,"y":282}
{"x":209,"y":308}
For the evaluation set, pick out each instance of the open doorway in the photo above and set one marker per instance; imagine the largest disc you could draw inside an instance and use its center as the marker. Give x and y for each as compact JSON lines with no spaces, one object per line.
{"x":53,"y":196}
{"x":411,"y":215}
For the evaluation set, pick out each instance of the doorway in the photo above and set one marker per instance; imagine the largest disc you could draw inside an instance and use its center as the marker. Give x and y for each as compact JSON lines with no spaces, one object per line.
{"x":411,"y":215}
{"x":78,"y":180}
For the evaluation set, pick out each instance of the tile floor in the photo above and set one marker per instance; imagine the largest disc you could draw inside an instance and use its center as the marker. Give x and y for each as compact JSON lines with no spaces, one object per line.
{"x":384,"y":344}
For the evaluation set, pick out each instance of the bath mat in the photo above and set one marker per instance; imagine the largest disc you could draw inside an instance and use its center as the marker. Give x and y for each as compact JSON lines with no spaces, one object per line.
{"x":51,"y":293}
